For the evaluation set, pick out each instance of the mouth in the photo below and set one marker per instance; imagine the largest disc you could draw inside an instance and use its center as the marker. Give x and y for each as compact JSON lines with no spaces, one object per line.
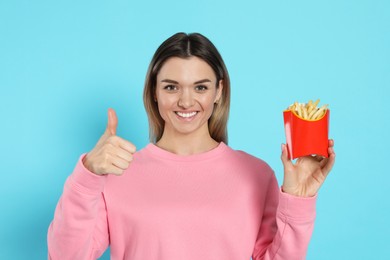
{"x":186,"y":115}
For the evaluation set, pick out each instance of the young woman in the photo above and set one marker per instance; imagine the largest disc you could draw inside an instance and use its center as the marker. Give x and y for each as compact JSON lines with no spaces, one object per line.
{"x":186,"y":195}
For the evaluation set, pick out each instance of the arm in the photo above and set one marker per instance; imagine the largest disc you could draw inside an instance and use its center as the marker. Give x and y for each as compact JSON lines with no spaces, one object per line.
{"x":79,"y":228}
{"x":286,"y":227}
{"x":286,"y":230}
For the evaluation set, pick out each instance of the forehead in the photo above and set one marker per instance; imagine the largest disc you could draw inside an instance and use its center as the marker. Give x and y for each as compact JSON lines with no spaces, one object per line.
{"x":185,"y":70}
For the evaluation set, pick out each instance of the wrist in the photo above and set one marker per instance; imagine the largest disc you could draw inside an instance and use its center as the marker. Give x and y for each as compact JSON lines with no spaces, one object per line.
{"x":298,"y":193}
{"x":87,"y":164}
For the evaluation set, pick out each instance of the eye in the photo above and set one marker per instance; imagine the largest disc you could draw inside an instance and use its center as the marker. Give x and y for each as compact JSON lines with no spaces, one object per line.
{"x":170,"y":87}
{"x":201,"y":88}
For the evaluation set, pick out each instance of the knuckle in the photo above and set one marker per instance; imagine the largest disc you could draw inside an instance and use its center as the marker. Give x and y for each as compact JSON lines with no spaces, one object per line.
{"x":132,"y":147}
{"x":113,"y":140}
{"x":119,"y":172}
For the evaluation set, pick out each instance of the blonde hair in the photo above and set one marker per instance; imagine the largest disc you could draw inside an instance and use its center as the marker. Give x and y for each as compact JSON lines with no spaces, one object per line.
{"x":184,"y":45}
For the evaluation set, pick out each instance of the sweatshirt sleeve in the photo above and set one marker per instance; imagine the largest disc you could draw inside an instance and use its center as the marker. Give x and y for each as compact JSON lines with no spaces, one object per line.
{"x":287,"y":226}
{"x":79,"y":229}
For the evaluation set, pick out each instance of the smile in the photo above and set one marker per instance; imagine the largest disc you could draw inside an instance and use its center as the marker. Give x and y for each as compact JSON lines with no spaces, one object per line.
{"x":186,"y":115}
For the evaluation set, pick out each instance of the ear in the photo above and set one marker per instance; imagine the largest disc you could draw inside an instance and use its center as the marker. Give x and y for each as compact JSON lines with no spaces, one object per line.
{"x":219,"y":91}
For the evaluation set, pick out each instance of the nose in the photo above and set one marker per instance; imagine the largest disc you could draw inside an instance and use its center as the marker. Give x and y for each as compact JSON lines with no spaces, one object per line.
{"x":186,"y":99}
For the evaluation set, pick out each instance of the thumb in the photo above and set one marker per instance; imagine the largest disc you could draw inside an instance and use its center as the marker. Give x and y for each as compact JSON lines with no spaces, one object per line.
{"x":112,"y":122}
{"x":284,"y":156}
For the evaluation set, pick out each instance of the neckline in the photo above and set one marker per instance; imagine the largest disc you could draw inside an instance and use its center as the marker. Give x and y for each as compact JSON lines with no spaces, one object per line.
{"x":164,"y":154}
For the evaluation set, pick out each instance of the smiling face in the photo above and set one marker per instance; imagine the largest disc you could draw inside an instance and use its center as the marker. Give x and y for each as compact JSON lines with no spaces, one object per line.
{"x":186,"y":90}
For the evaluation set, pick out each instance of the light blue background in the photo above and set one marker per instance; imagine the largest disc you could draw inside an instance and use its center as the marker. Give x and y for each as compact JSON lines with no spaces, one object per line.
{"x":64,"y":63}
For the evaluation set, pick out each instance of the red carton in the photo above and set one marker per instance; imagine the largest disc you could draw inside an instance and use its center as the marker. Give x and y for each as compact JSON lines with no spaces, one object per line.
{"x":305,"y":137}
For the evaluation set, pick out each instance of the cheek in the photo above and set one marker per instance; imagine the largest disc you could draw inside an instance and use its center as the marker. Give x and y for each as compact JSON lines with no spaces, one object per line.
{"x":208,"y":105}
{"x":164,"y":105}
{"x":208,"y":101}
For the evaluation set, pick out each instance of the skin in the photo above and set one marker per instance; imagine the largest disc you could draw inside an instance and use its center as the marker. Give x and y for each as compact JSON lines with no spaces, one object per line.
{"x":306,"y":176}
{"x":112,"y":154}
{"x":186,"y":86}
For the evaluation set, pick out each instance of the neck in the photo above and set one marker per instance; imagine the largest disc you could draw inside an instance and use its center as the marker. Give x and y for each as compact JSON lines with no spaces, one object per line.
{"x":187,"y":144}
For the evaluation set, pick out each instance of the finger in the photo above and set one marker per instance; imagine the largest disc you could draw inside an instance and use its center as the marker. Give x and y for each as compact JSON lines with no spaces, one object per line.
{"x":330,"y":151}
{"x":126,"y":145}
{"x":123,"y":154}
{"x":330,"y":142}
{"x":324,"y":162}
{"x":284,"y":157}
{"x":112,"y":122}
{"x":118,"y":142}
{"x":112,"y":169}
{"x":327,"y":167}
{"x":122,"y":143}
{"x":120,"y":163}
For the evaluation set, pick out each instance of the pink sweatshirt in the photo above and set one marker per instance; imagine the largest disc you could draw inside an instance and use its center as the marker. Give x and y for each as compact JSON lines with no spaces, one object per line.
{"x":222,"y":204}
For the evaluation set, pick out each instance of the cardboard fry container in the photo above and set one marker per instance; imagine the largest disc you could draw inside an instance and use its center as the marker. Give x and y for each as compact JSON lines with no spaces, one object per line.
{"x":305,"y":137}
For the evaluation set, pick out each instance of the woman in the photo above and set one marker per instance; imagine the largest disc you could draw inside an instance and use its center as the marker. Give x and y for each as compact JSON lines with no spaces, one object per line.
{"x":186,"y":195}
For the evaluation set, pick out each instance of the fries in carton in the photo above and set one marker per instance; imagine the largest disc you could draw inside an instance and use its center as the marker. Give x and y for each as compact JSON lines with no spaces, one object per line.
{"x":306,"y":127}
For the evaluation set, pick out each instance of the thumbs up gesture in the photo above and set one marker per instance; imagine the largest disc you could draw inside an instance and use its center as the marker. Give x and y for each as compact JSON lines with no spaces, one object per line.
{"x":111,"y":154}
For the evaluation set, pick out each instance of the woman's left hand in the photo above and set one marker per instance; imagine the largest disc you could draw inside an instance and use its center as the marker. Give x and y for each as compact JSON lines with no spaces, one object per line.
{"x":305,"y":177}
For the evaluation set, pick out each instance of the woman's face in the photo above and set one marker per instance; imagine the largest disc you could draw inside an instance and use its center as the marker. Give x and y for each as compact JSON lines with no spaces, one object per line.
{"x":186,"y":91}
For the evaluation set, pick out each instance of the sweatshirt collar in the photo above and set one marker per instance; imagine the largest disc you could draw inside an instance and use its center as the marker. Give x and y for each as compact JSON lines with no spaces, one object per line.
{"x":164,"y":154}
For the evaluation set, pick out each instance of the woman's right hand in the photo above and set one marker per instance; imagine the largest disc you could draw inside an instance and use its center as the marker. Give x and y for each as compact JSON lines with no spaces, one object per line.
{"x":112,"y":154}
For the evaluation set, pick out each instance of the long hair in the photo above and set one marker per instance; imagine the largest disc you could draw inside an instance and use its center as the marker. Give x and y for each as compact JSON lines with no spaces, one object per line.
{"x":184,"y":45}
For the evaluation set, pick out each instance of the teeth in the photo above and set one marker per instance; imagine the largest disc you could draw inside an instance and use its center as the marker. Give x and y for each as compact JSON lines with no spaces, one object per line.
{"x":186,"y":114}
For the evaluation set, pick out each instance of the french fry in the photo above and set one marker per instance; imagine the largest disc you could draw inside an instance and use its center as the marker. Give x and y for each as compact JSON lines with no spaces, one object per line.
{"x":321,"y":112}
{"x":299,"y":111}
{"x":309,"y":106}
{"x":316,"y":114}
{"x":310,"y":116}
{"x":304,"y":110}
{"x":308,"y":111}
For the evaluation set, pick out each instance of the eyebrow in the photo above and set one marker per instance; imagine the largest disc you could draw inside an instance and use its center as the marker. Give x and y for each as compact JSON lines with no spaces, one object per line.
{"x":175,"y":82}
